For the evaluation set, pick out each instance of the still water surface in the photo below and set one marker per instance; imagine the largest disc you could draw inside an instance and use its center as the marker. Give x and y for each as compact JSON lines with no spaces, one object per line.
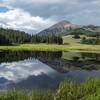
{"x":29,"y":70}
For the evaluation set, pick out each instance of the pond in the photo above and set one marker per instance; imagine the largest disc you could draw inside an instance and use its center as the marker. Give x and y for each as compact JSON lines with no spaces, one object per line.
{"x":43,"y":70}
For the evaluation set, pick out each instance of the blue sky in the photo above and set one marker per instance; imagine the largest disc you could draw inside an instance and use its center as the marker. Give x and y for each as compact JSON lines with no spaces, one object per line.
{"x":36,"y":15}
{"x":3,"y":9}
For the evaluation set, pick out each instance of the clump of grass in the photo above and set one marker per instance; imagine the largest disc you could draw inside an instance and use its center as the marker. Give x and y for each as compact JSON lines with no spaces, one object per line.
{"x":24,"y":95}
{"x":14,"y":95}
{"x":42,"y":95}
{"x":85,"y":91}
{"x":68,"y":90}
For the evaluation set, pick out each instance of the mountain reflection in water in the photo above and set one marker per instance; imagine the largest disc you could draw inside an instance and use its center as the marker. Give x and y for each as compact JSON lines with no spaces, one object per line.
{"x":28,"y":70}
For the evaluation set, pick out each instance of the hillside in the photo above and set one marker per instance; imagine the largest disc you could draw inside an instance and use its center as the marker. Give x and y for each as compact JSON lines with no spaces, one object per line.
{"x":14,"y":36}
{"x":89,"y":30}
{"x":80,"y":31}
{"x":92,"y":28}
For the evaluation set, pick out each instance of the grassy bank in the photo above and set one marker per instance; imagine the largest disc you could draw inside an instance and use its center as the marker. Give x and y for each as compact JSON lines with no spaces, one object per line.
{"x":53,"y":47}
{"x":89,"y":90}
{"x":70,"y":44}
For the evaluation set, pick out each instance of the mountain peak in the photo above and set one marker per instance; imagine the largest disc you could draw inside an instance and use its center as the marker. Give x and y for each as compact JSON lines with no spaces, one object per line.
{"x":61,"y":24}
{"x":60,"y":27}
{"x":64,"y":22}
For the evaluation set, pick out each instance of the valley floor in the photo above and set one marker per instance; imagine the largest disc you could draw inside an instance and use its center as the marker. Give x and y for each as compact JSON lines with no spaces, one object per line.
{"x":53,"y":47}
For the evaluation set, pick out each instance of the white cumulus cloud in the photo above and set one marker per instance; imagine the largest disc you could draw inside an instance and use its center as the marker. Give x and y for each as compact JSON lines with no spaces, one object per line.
{"x":19,"y":19}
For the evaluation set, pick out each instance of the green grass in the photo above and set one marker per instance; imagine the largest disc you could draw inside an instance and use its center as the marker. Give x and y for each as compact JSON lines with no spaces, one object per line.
{"x":25,"y":95}
{"x":97,"y":29}
{"x":70,"y":40}
{"x":53,"y":47}
{"x":68,"y":90}
{"x":90,"y":90}
{"x":70,"y":44}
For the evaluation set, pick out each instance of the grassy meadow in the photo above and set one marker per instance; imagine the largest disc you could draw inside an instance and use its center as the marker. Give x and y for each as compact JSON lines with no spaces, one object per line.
{"x":69,"y":44}
{"x":68,"y":90}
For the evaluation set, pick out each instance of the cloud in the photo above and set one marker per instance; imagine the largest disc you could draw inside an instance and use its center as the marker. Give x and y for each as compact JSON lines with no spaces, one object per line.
{"x":19,"y":19}
{"x":18,"y":71}
{"x":51,"y":11}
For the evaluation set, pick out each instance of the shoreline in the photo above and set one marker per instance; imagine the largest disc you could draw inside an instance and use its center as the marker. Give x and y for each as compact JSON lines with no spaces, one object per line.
{"x":52,"y":47}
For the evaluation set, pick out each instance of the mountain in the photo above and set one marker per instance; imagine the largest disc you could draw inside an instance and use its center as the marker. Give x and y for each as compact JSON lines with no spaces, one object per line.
{"x":60,"y":27}
{"x":65,"y":27}
{"x":92,"y":28}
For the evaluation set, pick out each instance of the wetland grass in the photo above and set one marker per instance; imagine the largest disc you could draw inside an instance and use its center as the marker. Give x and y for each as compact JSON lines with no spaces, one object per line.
{"x":68,"y":90}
